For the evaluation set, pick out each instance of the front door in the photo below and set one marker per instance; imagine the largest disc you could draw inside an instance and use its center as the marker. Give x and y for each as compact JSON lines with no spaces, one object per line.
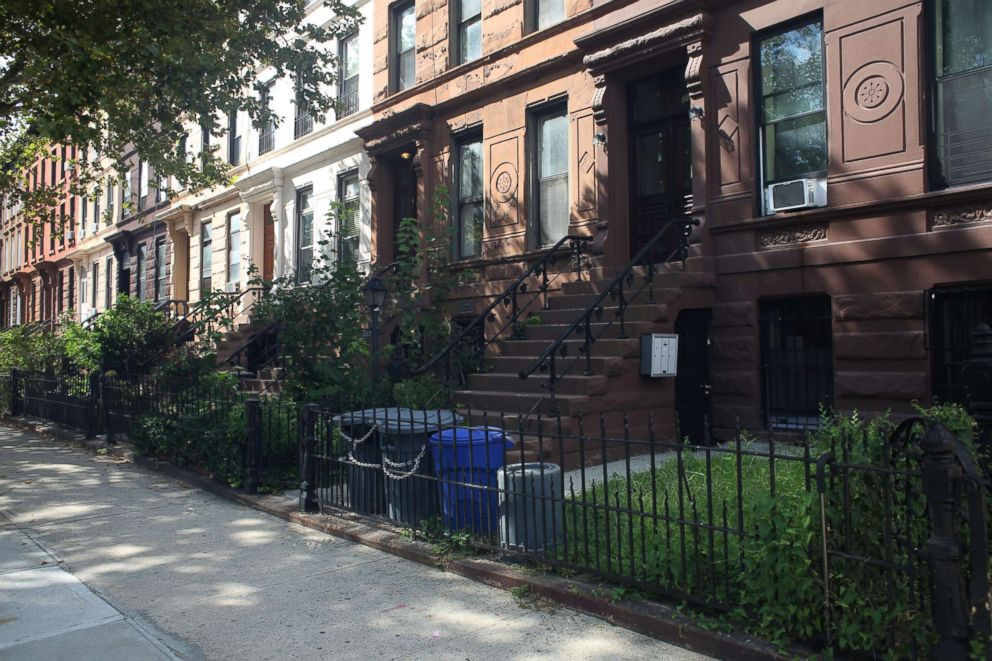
{"x":405,"y":202}
{"x":268,"y":243}
{"x":661,"y":156}
{"x":692,"y":378}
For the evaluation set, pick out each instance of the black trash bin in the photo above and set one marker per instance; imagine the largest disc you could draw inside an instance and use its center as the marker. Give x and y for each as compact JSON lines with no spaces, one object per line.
{"x":366,"y":483}
{"x":406,"y":460}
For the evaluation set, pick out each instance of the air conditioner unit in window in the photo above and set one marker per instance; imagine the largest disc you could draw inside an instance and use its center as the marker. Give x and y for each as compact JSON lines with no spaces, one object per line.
{"x":796,"y":194}
{"x":70,"y":236}
{"x":231,"y":287}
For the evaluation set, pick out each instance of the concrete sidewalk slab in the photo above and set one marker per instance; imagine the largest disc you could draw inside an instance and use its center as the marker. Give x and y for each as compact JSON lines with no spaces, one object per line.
{"x":115,"y":641}
{"x":224,"y":581}
{"x":18,"y":551}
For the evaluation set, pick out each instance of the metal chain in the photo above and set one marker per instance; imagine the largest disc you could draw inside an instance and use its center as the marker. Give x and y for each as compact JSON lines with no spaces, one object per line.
{"x":393,"y":474}
{"x":354,"y":443}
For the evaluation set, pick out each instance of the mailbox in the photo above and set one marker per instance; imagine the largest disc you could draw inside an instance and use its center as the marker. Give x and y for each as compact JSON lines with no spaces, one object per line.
{"x":659,"y":354}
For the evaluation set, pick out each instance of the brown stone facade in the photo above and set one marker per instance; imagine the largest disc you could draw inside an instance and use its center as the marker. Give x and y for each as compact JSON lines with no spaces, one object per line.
{"x":873,"y":254}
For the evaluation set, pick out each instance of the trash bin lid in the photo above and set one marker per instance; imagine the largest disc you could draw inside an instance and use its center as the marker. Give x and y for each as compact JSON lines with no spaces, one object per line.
{"x":395,"y":420}
{"x":473,"y":435}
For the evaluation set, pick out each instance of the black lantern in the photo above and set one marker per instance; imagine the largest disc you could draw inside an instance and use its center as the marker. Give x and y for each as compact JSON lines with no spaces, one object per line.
{"x":375,"y":293}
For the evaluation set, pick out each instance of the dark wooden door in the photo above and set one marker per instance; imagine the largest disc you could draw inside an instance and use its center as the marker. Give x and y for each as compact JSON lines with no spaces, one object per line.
{"x":268,"y":243}
{"x":405,"y":202}
{"x":692,"y":378}
{"x":660,"y":156}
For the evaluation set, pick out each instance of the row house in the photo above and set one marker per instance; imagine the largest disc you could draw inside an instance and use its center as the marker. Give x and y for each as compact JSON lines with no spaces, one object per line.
{"x":37,"y":281}
{"x":288,"y":179}
{"x":835,"y":155}
{"x":297,"y":190}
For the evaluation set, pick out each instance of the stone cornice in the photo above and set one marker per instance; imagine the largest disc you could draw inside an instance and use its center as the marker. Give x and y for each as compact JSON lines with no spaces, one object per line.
{"x":395,"y":130}
{"x":666,"y":38}
{"x":260,"y":185}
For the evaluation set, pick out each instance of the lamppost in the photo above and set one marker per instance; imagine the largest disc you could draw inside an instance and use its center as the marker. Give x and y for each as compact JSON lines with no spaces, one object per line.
{"x":375,"y":297}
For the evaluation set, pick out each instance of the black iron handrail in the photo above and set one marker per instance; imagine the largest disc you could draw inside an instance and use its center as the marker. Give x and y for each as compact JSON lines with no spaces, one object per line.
{"x":615,"y":291}
{"x":186,"y":326}
{"x":265,"y":342}
{"x":508,"y":298}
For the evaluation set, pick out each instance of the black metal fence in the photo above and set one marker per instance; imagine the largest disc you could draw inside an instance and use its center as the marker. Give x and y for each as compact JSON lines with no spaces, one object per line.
{"x":217,"y":429}
{"x":859,"y":539}
{"x":829,"y":541}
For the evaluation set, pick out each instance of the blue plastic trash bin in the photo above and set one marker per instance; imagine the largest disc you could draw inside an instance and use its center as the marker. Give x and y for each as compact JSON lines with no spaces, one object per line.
{"x":466,"y":456}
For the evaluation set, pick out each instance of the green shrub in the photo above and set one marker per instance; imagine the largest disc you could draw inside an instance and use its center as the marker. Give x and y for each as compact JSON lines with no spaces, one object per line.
{"x":418,"y":392}
{"x":132,"y":336}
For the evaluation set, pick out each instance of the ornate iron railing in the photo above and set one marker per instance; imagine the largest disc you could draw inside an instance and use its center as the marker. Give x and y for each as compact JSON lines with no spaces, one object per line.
{"x":620,"y":293}
{"x":472,"y":336}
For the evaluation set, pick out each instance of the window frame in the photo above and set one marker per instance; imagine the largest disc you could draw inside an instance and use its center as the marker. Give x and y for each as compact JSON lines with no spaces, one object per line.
{"x":140,"y":277}
{"x":266,"y":131}
{"x":535,"y":116}
{"x":395,"y":54}
{"x":230,"y":223}
{"x":206,"y":249}
{"x":342,"y":178}
{"x":233,"y":139}
{"x":348,"y":101}
{"x":533,"y":13}
{"x":160,"y":272}
{"x":936,"y":177}
{"x":302,"y":119}
{"x":458,"y":22}
{"x":108,"y":285}
{"x":757,"y":94}
{"x":459,"y":202}
{"x":299,"y":212}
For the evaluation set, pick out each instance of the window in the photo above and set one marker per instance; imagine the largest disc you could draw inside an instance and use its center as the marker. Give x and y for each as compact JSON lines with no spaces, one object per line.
{"x":142,"y":184}
{"x":267,"y":132}
{"x":348,"y":209}
{"x":206,"y":259}
{"x":184,"y":150}
{"x":549,"y":204}
{"x":127,"y":191}
{"x":954,"y":312}
{"x":96,"y":211}
{"x":797,"y":360}
{"x":95,"y":268}
{"x":233,"y":139}
{"x":469,"y":197}
{"x":793,"y":122}
{"x":204,"y":144}
{"x":468,"y":44}
{"x":403,"y":37}
{"x":83,"y":281}
{"x":140,"y":280}
{"x":303,"y":124}
{"x":161,"y":194}
{"x":234,"y":248}
{"x":963,"y":94}
{"x":83,"y":212}
{"x":160,"y":268}
{"x":304,"y":234}
{"x":108,"y":283}
{"x":348,"y":76}
{"x":545,"y":13}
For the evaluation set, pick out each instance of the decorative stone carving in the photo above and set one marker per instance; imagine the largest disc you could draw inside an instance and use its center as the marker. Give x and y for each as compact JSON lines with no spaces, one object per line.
{"x":873,"y":91}
{"x":962,"y":216}
{"x":373,"y":175}
{"x":598,"y":101}
{"x":789,"y":237}
{"x":693,"y":70}
{"x":504,"y":183}
{"x":682,"y":33}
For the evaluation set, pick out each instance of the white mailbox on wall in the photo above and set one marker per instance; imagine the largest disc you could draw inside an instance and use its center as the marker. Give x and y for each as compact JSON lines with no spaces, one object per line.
{"x":659,"y":354}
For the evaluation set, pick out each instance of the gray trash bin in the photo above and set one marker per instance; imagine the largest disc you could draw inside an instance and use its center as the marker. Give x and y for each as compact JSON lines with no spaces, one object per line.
{"x":530,"y":506}
{"x":366,"y":483}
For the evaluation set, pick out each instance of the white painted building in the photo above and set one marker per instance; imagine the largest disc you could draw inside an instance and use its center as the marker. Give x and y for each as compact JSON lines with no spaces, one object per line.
{"x":285,"y":180}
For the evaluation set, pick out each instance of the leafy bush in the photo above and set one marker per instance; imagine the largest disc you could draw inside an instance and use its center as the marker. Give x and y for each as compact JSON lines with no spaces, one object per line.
{"x":418,"y":392}
{"x":132,"y":336}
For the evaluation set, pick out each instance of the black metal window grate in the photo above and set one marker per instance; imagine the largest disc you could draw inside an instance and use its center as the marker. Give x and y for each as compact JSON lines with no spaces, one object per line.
{"x":797,"y":361}
{"x":953,"y":314}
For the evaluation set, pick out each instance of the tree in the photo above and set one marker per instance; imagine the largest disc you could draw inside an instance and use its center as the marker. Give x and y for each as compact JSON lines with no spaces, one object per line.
{"x":109,"y":76}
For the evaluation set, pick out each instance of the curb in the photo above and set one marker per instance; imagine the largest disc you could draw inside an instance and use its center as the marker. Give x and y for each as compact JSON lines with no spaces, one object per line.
{"x":651,"y":619}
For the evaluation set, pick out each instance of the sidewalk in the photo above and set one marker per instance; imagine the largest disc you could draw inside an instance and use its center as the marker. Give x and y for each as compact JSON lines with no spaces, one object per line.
{"x":196,"y":576}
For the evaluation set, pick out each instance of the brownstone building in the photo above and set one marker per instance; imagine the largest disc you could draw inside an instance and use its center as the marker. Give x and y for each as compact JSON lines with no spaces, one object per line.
{"x":837,"y":155}
{"x":37,"y":281}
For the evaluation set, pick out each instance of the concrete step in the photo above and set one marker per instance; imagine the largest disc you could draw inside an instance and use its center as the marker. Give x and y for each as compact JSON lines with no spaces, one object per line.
{"x":630,"y":347}
{"x":569,"y":385}
{"x":495,"y":401}
{"x":609,"y":366}
{"x":633,"y":313}
{"x":602,"y":330}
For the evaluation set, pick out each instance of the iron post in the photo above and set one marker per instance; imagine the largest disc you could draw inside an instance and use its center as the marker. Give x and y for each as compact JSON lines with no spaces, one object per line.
{"x":941,"y":473}
{"x":15,"y":400}
{"x":308,"y":467}
{"x":252,"y":450}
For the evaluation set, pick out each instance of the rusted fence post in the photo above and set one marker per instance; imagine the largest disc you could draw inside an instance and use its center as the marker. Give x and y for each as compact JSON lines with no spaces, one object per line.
{"x":308,"y":467}
{"x":941,"y":475}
